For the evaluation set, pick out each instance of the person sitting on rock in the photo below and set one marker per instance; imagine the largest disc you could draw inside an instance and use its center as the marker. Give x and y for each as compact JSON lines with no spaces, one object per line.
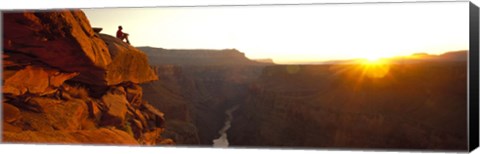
{"x":121,"y":35}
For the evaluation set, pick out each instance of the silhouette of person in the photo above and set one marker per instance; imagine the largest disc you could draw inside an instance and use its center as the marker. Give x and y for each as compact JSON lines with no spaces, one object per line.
{"x":121,"y":35}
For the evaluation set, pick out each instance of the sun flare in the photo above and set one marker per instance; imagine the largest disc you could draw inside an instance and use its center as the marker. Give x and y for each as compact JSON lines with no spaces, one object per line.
{"x":375,"y":68}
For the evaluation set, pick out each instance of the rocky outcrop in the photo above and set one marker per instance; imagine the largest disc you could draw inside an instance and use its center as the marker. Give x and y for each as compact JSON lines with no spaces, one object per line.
{"x":128,"y":63}
{"x":72,"y":116}
{"x":117,"y":108}
{"x":46,"y":36}
{"x":50,"y":35}
{"x":34,"y":80}
{"x":63,"y":83}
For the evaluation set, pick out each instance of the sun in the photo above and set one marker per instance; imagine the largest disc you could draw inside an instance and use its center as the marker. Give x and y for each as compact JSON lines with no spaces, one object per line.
{"x":372,"y":57}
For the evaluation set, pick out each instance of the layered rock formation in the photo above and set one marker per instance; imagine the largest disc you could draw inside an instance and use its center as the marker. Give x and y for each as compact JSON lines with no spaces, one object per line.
{"x":415,"y":106}
{"x":63,"y":83}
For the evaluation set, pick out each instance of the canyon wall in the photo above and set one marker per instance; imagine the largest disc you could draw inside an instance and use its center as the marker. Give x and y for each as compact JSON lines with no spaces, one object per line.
{"x":414,"y":103}
{"x":198,"y":92}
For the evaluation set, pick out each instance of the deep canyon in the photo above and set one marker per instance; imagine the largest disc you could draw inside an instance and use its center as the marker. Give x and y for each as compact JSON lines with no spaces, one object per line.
{"x":65,"y":83}
{"x":419,"y":103}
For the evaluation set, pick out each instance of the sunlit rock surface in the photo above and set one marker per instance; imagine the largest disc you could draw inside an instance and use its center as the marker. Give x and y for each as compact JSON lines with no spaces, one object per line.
{"x":64,"y":40}
{"x":65,"y":84}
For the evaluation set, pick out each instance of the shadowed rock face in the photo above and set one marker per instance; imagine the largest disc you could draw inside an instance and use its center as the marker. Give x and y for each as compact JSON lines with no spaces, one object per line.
{"x":63,"y":83}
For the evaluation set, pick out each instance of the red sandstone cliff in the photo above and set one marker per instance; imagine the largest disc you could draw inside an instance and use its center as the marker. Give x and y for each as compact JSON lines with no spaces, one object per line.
{"x":65,"y":40}
{"x":63,"y":83}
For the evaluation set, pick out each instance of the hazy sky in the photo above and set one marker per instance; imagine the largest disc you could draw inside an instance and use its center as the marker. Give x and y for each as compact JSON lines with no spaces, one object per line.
{"x":296,"y":33}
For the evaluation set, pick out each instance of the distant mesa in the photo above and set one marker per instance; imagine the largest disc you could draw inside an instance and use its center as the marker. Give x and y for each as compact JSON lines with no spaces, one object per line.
{"x":267,"y":61}
{"x":448,"y":56}
{"x":455,"y":55}
{"x":413,"y":58}
{"x":421,"y":54}
{"x":160,"y":56}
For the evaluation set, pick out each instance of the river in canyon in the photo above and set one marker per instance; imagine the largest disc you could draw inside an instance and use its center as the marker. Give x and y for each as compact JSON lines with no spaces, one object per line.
{"x":222,"y":141}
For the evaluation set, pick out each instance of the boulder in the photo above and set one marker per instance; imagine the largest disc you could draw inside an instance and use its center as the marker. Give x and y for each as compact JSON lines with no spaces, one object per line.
{"x":10,"y":113}
{"x":116,"y":109}
{"x":99,"y":136}
{"x":157,"y":118}
{"x":35,"y":80}
{"x":54,"y":114}
{"x":150,"y":138}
